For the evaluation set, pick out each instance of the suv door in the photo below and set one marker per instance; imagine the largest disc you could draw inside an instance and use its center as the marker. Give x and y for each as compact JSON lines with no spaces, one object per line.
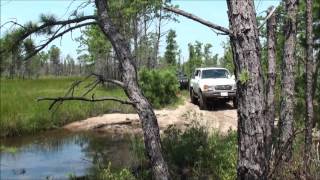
{"x":196,"y":81}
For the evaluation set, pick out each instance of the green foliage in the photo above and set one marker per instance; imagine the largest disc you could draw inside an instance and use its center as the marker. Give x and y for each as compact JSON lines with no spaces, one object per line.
{"x":295,"y":165}
{"x":21,"y":113}
{"x":244,"y":77}
{"x":195,"y":58}
{"x":198,"y":154}
{"x":54,"y":54}
{"x":209,"y":60}
{"x":171,"y":52}
{"x":184,"y":149}
{"x":29,"y":45}
{"x":199,"y":56}
{"x":159,"y":86}
{"x":47,"y":18}
{"x":227,"y":60}
{"x":138,"y":150}
{"x":108,"y":174}
{"x":54,"y":57}
{"x":13,"y":62}
{"x":137,"y":147}
{"x":11,"y":150}
{"x":128,"y":9}
{"x":194,"y":153}
{"x":223,"y":155}
{"x":30,"y":26}
{"x":95,"y":42}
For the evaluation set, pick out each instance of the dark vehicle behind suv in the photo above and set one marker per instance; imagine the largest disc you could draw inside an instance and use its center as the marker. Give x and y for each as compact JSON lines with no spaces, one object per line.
{"x":183,"y":81}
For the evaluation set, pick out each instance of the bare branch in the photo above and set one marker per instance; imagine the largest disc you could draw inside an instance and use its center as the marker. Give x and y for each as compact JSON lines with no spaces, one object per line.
{"x":68,"y":8}
{"x":90,"y":87}
{"x":198,"y":19}
{"x":12,"y":22}
{"x":218,"y":33}
{"x":270,"y":11}
{"x":93,"y":86}
{"x":72,"y":87}
{"x":57,"y":36}
{"x":77,"y":83}
{"x":116,"y":82}
{"x":76,"y":98}
{"x":50,"y":24}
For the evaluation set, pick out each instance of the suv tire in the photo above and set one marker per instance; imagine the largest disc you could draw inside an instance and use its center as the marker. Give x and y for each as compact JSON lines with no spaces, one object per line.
{"x":235,"y":103}
{"x":192,"y":97}
{"x":202,"y":102}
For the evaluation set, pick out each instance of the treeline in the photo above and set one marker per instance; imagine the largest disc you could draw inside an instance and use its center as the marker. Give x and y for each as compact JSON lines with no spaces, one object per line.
{"x":96,"y":54}
{"x":45,"y":63}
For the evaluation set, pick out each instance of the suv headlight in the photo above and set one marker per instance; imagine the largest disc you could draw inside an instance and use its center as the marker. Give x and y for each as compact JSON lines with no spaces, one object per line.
{"x":208,"y":88}
{"x":234,"y":86}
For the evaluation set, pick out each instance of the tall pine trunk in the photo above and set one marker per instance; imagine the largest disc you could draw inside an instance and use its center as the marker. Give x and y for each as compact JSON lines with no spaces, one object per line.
{"x":271,"y":81}
{"x":284,"y":149}
{"x":129,"y":77}
{"x":252,"y":160}
{"x":309,"y":87}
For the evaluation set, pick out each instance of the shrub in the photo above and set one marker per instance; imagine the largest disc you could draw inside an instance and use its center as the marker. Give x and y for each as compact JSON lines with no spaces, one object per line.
{"x":195,"y":153}
{"x":222,"y":156}
{"x":192,"y":154}
{"x":108,"y":174}
{"x":159,"y":86}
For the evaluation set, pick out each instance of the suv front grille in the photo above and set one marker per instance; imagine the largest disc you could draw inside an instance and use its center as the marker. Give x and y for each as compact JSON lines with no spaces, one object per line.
{"x":223,"y":87}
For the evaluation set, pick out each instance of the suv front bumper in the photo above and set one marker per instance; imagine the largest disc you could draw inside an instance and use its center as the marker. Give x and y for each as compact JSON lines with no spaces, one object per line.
{"x":220,"y":94}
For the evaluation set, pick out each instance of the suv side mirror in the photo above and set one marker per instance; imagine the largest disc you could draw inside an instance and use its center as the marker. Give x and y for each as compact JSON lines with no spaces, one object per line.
{"x":233,"y":77}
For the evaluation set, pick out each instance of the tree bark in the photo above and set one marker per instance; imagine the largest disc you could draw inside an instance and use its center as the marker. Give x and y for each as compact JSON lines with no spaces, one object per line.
{"x":252,"y":160}
{"x":271,"y":81}
{"x":284,"y":149}
{"x":157,"y":43}
{"x":316,"y":71}
{"x":135,"y":41}
{"x":309,"y":87}
{"x":129,"y":77}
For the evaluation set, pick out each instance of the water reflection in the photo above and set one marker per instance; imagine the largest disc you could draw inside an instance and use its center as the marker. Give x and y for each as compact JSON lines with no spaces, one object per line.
{"x":58,"y":154}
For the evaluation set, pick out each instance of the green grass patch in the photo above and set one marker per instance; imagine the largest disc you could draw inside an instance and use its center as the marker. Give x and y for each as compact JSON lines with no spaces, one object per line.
{"x":7,"y":149}
{"x":196,"y":153}
{"x":180,"y":100}
{"x":193,"y":153}
{"x":22,"y":114}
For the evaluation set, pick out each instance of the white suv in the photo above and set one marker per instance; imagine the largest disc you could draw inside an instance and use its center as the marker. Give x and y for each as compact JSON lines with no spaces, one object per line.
{"x":210,"y":84}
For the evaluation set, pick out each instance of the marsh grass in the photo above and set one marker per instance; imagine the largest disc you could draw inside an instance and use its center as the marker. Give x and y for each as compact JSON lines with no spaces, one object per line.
{"x":21,"y":113}
{"x":8,"y":149}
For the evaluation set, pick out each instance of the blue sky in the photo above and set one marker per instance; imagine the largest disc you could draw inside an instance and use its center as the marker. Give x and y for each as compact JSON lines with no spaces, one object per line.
{"x":187,"y":30}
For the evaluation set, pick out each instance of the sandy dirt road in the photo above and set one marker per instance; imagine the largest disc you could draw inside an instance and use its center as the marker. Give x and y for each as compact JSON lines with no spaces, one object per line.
{"x":221,"y":119}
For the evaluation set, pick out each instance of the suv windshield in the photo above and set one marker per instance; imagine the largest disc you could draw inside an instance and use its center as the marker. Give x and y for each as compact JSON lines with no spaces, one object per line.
{"x":214,"y":73}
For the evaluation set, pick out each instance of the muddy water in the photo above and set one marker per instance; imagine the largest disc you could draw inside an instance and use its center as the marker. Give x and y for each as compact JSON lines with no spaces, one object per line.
{"x":58,"y":154}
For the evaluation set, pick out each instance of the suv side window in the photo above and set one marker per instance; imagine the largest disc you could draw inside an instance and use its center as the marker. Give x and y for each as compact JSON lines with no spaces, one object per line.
{"x":197,"y":73}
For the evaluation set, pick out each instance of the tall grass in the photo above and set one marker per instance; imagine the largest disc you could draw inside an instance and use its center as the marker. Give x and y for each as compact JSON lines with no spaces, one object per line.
{"x":21,"y":113}
{"x":197,"y":154}
{"x":192,"y":154}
